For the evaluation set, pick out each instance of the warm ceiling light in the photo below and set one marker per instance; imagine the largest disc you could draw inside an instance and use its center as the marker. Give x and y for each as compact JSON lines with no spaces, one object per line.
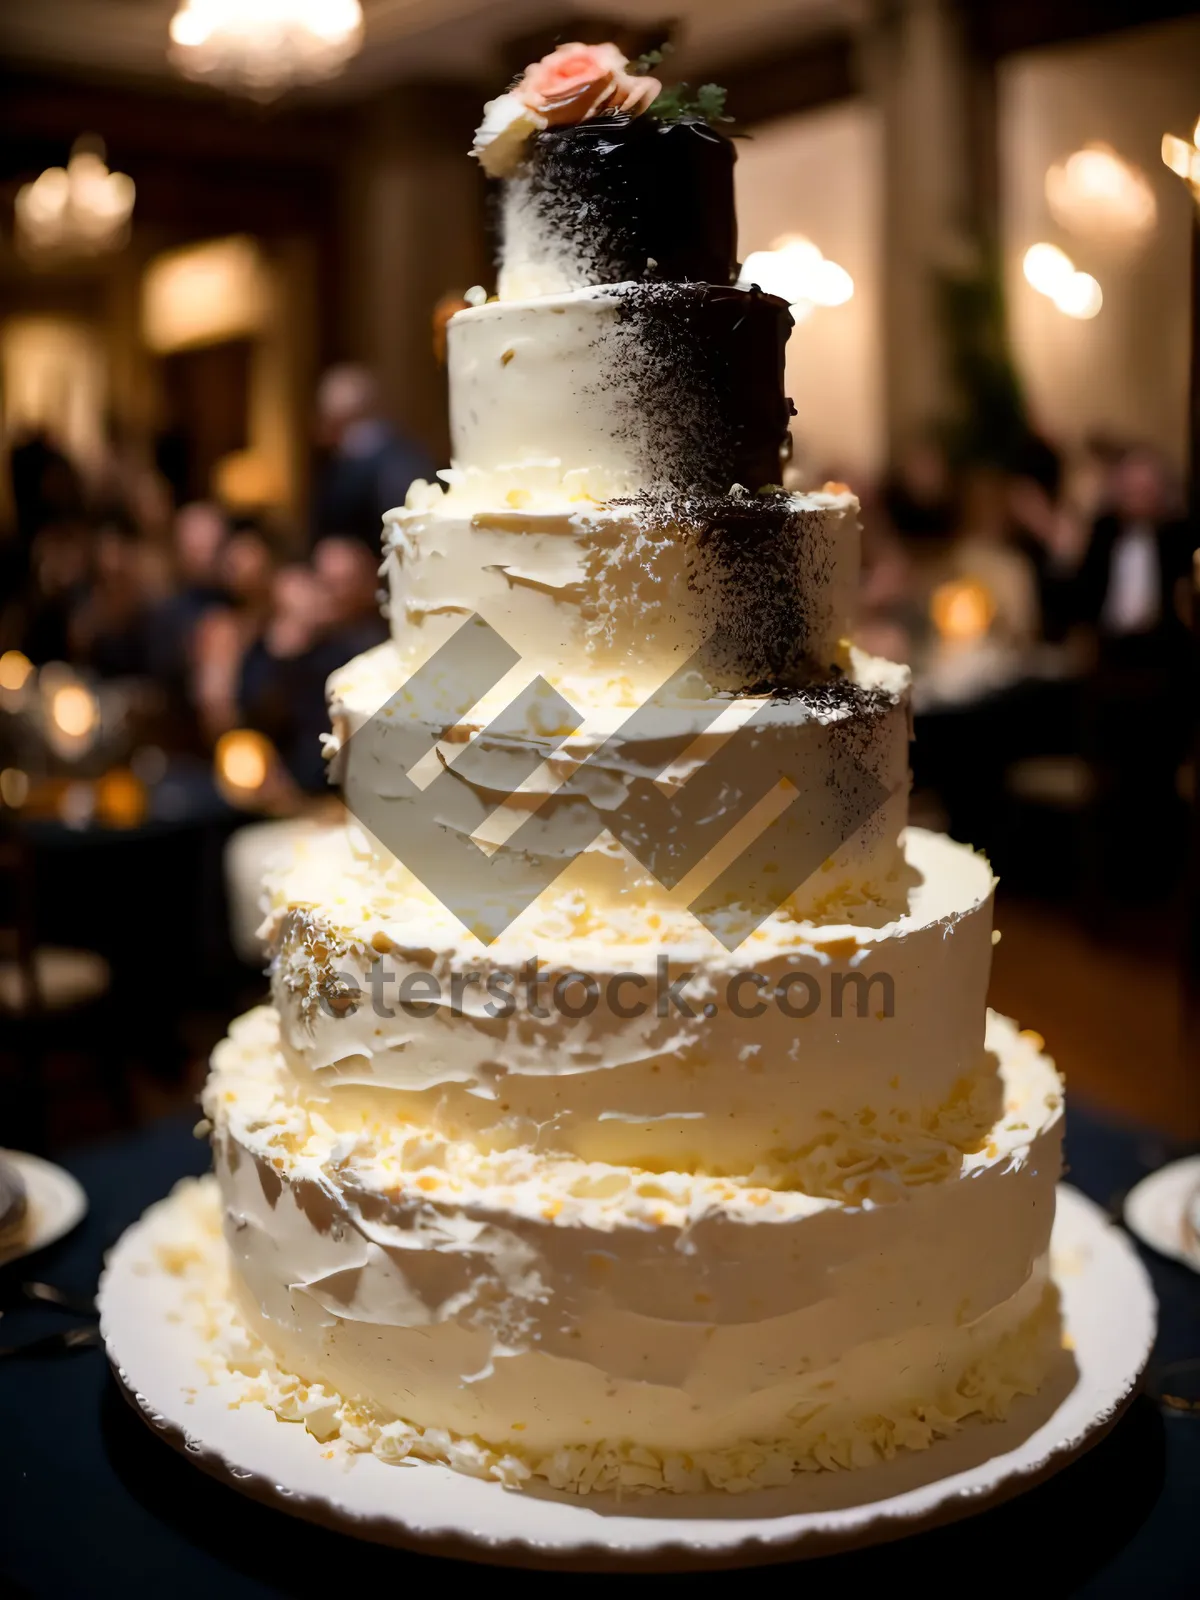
{"x":795,"y":270}
{"x":829,"y":284}
{"x":1047,"y":268}
{"x":1051,"y":272}
{"x":797,"y":246}
{"x":262,"y":47}
{"x":74,"y":711}
{"x":1079,"y":297}
{"x":1094,"y":192}
{"x":78,"y":210}
{"x":14,"y":670}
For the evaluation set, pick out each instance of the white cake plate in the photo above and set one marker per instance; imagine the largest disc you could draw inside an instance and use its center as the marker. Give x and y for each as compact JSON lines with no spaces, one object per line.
{"x":1155,"y":1210}
{"x":1109,"y":1315}
{"x":54,"y":1204}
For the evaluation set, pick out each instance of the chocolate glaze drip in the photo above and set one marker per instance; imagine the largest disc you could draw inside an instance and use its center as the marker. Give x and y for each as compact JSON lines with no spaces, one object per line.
{"x":706,"y":365}
{"x":620,"y":192}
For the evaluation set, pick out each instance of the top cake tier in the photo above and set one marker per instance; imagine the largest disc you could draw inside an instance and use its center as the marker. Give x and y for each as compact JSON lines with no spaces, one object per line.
{"x":618,"y":199}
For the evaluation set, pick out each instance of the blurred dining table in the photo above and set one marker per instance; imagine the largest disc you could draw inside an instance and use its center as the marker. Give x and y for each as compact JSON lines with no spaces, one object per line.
{"x":94,"y":1503}
{"x":132,"y":869}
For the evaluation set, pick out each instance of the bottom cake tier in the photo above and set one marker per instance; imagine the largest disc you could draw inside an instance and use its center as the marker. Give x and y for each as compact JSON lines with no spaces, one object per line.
{"x":604,"y":1328}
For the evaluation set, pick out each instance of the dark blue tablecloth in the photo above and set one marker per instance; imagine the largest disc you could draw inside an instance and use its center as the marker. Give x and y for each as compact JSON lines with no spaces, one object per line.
{"x":91,"y":1503}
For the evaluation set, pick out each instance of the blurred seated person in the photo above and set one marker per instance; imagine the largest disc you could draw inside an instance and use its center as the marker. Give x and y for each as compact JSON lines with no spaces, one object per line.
{"x":224,"y":633}
{"x":281,"y":687}
{"x":349,"y":576}
{"x":1091,"y":473}
{"x":1133,"y":589}
{"x":1133,"y":581}
{"x":368,"y":465}
{"x":982,"y":552}
{"x":883,"y":621}
{"x":38,"y":618}
{"x":45,"y":487}
{"x":108,"y":630}
{"x":46,"y":497}
{"x":199,"y":532}
{"x":122,"y":484}
{"x":1048,"y":529}
{"x":320,"y":617}
{"x":917,"y":494}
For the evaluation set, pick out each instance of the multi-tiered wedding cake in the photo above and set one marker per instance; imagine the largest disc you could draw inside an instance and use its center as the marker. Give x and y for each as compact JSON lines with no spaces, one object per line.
{"x":543,"y":1162}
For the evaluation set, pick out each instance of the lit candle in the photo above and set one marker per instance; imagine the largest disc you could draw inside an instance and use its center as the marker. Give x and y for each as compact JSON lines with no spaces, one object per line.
{"x":242,"y":761}
{"x":962,"y":610}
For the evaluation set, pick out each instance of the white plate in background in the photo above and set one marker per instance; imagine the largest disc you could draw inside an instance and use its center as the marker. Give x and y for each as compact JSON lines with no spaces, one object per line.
{"x":1155,"y":1210}
{"x":54,"y":1201}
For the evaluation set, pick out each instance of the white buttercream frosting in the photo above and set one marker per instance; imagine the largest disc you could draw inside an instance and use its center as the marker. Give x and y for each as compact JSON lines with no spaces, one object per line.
{"x":889,"y":1045}
{"x":1000,"y":1357}
{"x":564,"y":1305}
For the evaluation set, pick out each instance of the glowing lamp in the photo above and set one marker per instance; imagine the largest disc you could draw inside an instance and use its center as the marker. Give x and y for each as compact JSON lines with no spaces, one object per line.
{"x":14,"y":788}
{"x":74,"y":711}
{"x":1095,"y":192}
{"x":121,"y":799}
{"x":962,"y":610}
{"x":243,"y":761}
{"x":15,"y":670}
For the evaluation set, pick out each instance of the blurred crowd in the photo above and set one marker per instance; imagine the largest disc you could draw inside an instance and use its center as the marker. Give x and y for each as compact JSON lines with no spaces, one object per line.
{"x":1047,"y":611}
{"x":234,"y":620}
{"x":1066,"y":567}
{"x":1097,"y":540}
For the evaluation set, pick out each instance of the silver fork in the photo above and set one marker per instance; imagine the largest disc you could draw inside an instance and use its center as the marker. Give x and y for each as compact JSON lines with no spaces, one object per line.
{"x":54,"y":1343}
{"x":47,"y":1294}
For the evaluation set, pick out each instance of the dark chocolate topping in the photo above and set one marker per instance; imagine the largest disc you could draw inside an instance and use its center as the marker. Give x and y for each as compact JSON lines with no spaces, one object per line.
{"x":766,"y":564}
{"x":621,"y":192}
{"x":706,"y":365}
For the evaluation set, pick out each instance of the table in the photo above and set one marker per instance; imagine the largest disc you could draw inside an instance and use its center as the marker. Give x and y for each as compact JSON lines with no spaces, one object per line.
{"x":143,"y":875}
{"x":164,"y":934}
{"x":91,"y":1503}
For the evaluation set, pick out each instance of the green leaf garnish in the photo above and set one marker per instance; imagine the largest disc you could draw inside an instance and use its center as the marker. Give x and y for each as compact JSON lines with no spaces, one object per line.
{"x":677,"y":102}
{"x":710,"y":102}
{"x":649,"y":59}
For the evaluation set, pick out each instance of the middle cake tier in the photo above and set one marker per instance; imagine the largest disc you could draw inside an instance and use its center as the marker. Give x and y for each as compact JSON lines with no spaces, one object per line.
{"x":829,"y":1057}
{"x":612,"y":597}
{"x":492,"y":792}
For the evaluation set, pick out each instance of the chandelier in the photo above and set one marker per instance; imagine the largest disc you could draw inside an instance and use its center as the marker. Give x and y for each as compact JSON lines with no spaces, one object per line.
{"x":262,"y":47}
{"x":81,"y":209}
{"x":1095,"y":193}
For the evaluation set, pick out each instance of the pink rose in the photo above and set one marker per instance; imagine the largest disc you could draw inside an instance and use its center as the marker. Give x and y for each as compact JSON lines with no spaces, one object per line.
{"x":578,"y":81}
